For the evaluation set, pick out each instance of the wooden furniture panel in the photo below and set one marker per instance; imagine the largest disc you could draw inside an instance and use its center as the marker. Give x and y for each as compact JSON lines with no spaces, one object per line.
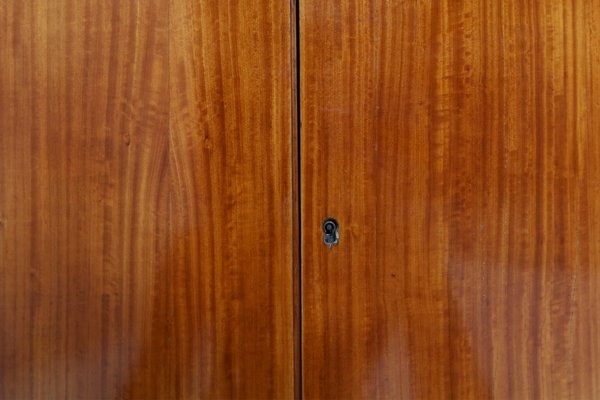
{"x":457,"y":144}
{"x":145,"y":199}
{"x":232,"y":199}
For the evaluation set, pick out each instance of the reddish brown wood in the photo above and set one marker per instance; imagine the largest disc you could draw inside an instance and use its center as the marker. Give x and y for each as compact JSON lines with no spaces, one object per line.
{"x":145,"y":199}
{"x":232,"y":207}
{"x":457,"y":144}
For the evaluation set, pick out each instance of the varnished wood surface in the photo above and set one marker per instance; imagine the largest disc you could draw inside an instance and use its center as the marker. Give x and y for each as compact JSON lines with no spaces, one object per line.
{"x":458,"y":145}
{"x":145,"y":199}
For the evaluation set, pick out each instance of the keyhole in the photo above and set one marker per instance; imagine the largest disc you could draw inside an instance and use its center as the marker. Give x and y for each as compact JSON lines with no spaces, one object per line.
{"x":331,"y":231}
{"x":329,"y":227}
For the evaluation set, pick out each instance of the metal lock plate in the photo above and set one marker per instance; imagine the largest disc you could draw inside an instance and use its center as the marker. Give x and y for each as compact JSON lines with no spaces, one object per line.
{"x":331,"y":234}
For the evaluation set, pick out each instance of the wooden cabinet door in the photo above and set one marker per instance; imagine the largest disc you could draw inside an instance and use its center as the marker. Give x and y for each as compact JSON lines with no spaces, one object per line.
{"x":145,"y":199}
{"x":457,"y":143}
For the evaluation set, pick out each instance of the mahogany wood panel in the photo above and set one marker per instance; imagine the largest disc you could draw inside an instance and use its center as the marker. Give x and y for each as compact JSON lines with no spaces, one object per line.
{"x":231,"y":130}
{"x":145,"y":199}
{"x":458,"y":145}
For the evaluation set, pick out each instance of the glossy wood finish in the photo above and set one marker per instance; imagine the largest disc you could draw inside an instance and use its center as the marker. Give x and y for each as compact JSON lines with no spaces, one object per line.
{"x":458,"y":145}
{"x":145,"y":199}
{"x":231,"y":80}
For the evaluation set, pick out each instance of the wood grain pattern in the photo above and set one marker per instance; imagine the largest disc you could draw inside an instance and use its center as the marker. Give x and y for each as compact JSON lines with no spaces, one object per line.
{"x":232,"y":200}
{"x":145,"y":199}
{"x":458,"y":145}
